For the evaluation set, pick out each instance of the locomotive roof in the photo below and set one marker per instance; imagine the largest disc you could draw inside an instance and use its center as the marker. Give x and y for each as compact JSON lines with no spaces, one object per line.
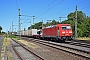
{"x":63,"y":24}
{"x":57,"y":25}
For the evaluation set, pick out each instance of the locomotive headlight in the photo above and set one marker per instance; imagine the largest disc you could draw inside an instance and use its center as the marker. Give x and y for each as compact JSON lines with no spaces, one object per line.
{"x":70,"y":32}
{"x":63,"y":32}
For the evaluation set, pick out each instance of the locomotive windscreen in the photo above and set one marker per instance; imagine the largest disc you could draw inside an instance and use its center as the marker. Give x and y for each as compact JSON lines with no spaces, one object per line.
{"x":66,"y":27}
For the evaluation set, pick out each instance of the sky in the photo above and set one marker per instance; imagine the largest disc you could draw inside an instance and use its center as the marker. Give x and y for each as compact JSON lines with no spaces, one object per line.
{"x":41,"y":9}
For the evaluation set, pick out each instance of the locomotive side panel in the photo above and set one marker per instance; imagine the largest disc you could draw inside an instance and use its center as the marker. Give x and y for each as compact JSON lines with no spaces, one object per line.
{"x":50,"y":32}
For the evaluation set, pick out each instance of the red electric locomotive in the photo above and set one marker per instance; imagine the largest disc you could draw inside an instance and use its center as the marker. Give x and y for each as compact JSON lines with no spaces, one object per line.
{"x":60,"y":32}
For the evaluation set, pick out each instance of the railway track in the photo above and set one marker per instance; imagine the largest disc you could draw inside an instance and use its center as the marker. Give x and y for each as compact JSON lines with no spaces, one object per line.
{"x":23,"y":52}
{"x":76,"y":50}
{"x":82,"y":44}
{"x":82,"y":41}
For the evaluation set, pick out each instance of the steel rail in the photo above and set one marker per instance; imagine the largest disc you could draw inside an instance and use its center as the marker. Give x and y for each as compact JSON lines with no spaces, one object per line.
{"x":48,"y":44}
{"x":26,"y":48}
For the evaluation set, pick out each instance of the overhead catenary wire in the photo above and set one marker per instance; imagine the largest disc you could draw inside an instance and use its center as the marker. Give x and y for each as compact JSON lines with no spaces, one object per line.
{"x":51,"y":8}
{"x":25,"y":12}
{"x":19,"y":26}
{"x":40,"y":10}
{"x":15,"y":15}
{"x":84,"y":6}
{"x":17,"y":4}
{"x":45,"y":7}
{"x":83,"y":3}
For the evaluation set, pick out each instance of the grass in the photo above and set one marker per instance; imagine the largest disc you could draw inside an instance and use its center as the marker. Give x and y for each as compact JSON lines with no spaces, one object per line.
{"x":14,"y":37}
{"x":6,"y":42}
{"x":29,"y":44}
{"x":9,"y":54}
{"x":83,"y":38}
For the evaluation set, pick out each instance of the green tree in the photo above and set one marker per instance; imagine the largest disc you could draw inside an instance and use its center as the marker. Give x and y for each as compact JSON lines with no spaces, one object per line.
{"x":39,"y":24}
{"x":36,"y":26}
{"x":0,"y":29}
{"x":47,"y":24}
{"x":83,"y":23}
{"x":54,"y":22}
{"x":86,"y":22}
{"x":80,"y":16}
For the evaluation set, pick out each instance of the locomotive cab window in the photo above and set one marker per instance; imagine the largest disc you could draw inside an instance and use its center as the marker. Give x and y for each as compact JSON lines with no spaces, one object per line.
{"x":66,"y":27}
{"x":63,"y":28}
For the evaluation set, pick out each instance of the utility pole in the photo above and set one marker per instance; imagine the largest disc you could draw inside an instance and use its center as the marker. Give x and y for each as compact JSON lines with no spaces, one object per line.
{"x":7,"y":32}
{"x":42,"y":23}
{"x":12,"y":26}
{"x":60,"y":18}
{"x":50,"y":21}
{"x":33,"y":19}
{"x":30,"y":25}
{"x":76,"y":24}
{"x":19,"y":24}
{"x":29,"y":16}
{"x":10,"y":30}
{"x":15,"y":29}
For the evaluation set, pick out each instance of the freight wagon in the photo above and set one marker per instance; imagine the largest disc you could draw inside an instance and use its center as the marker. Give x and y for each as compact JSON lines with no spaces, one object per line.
{"x":30,"y":33}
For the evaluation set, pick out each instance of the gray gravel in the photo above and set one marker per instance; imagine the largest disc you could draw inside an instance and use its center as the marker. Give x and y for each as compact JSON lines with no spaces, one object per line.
{"x":14,"y":56}
{"x":53,"y":54}
{"x":1,"y":43}
{"x":24,"y":54}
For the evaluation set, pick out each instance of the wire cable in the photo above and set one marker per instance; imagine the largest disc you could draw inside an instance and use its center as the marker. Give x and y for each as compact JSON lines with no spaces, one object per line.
{"x":51,"y":8}
{"x":17,"y":4}
{"x":46,"y":7}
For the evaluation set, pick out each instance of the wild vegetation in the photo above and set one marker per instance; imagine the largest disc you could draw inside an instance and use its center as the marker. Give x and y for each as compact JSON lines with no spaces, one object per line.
{"x":0,"y":29}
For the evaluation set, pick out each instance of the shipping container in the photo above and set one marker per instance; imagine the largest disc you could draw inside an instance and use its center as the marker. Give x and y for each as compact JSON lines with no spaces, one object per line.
{"x":32,"y":32}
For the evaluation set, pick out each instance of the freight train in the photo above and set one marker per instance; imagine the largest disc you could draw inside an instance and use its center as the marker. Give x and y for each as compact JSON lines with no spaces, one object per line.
{"x":58,"y":32}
